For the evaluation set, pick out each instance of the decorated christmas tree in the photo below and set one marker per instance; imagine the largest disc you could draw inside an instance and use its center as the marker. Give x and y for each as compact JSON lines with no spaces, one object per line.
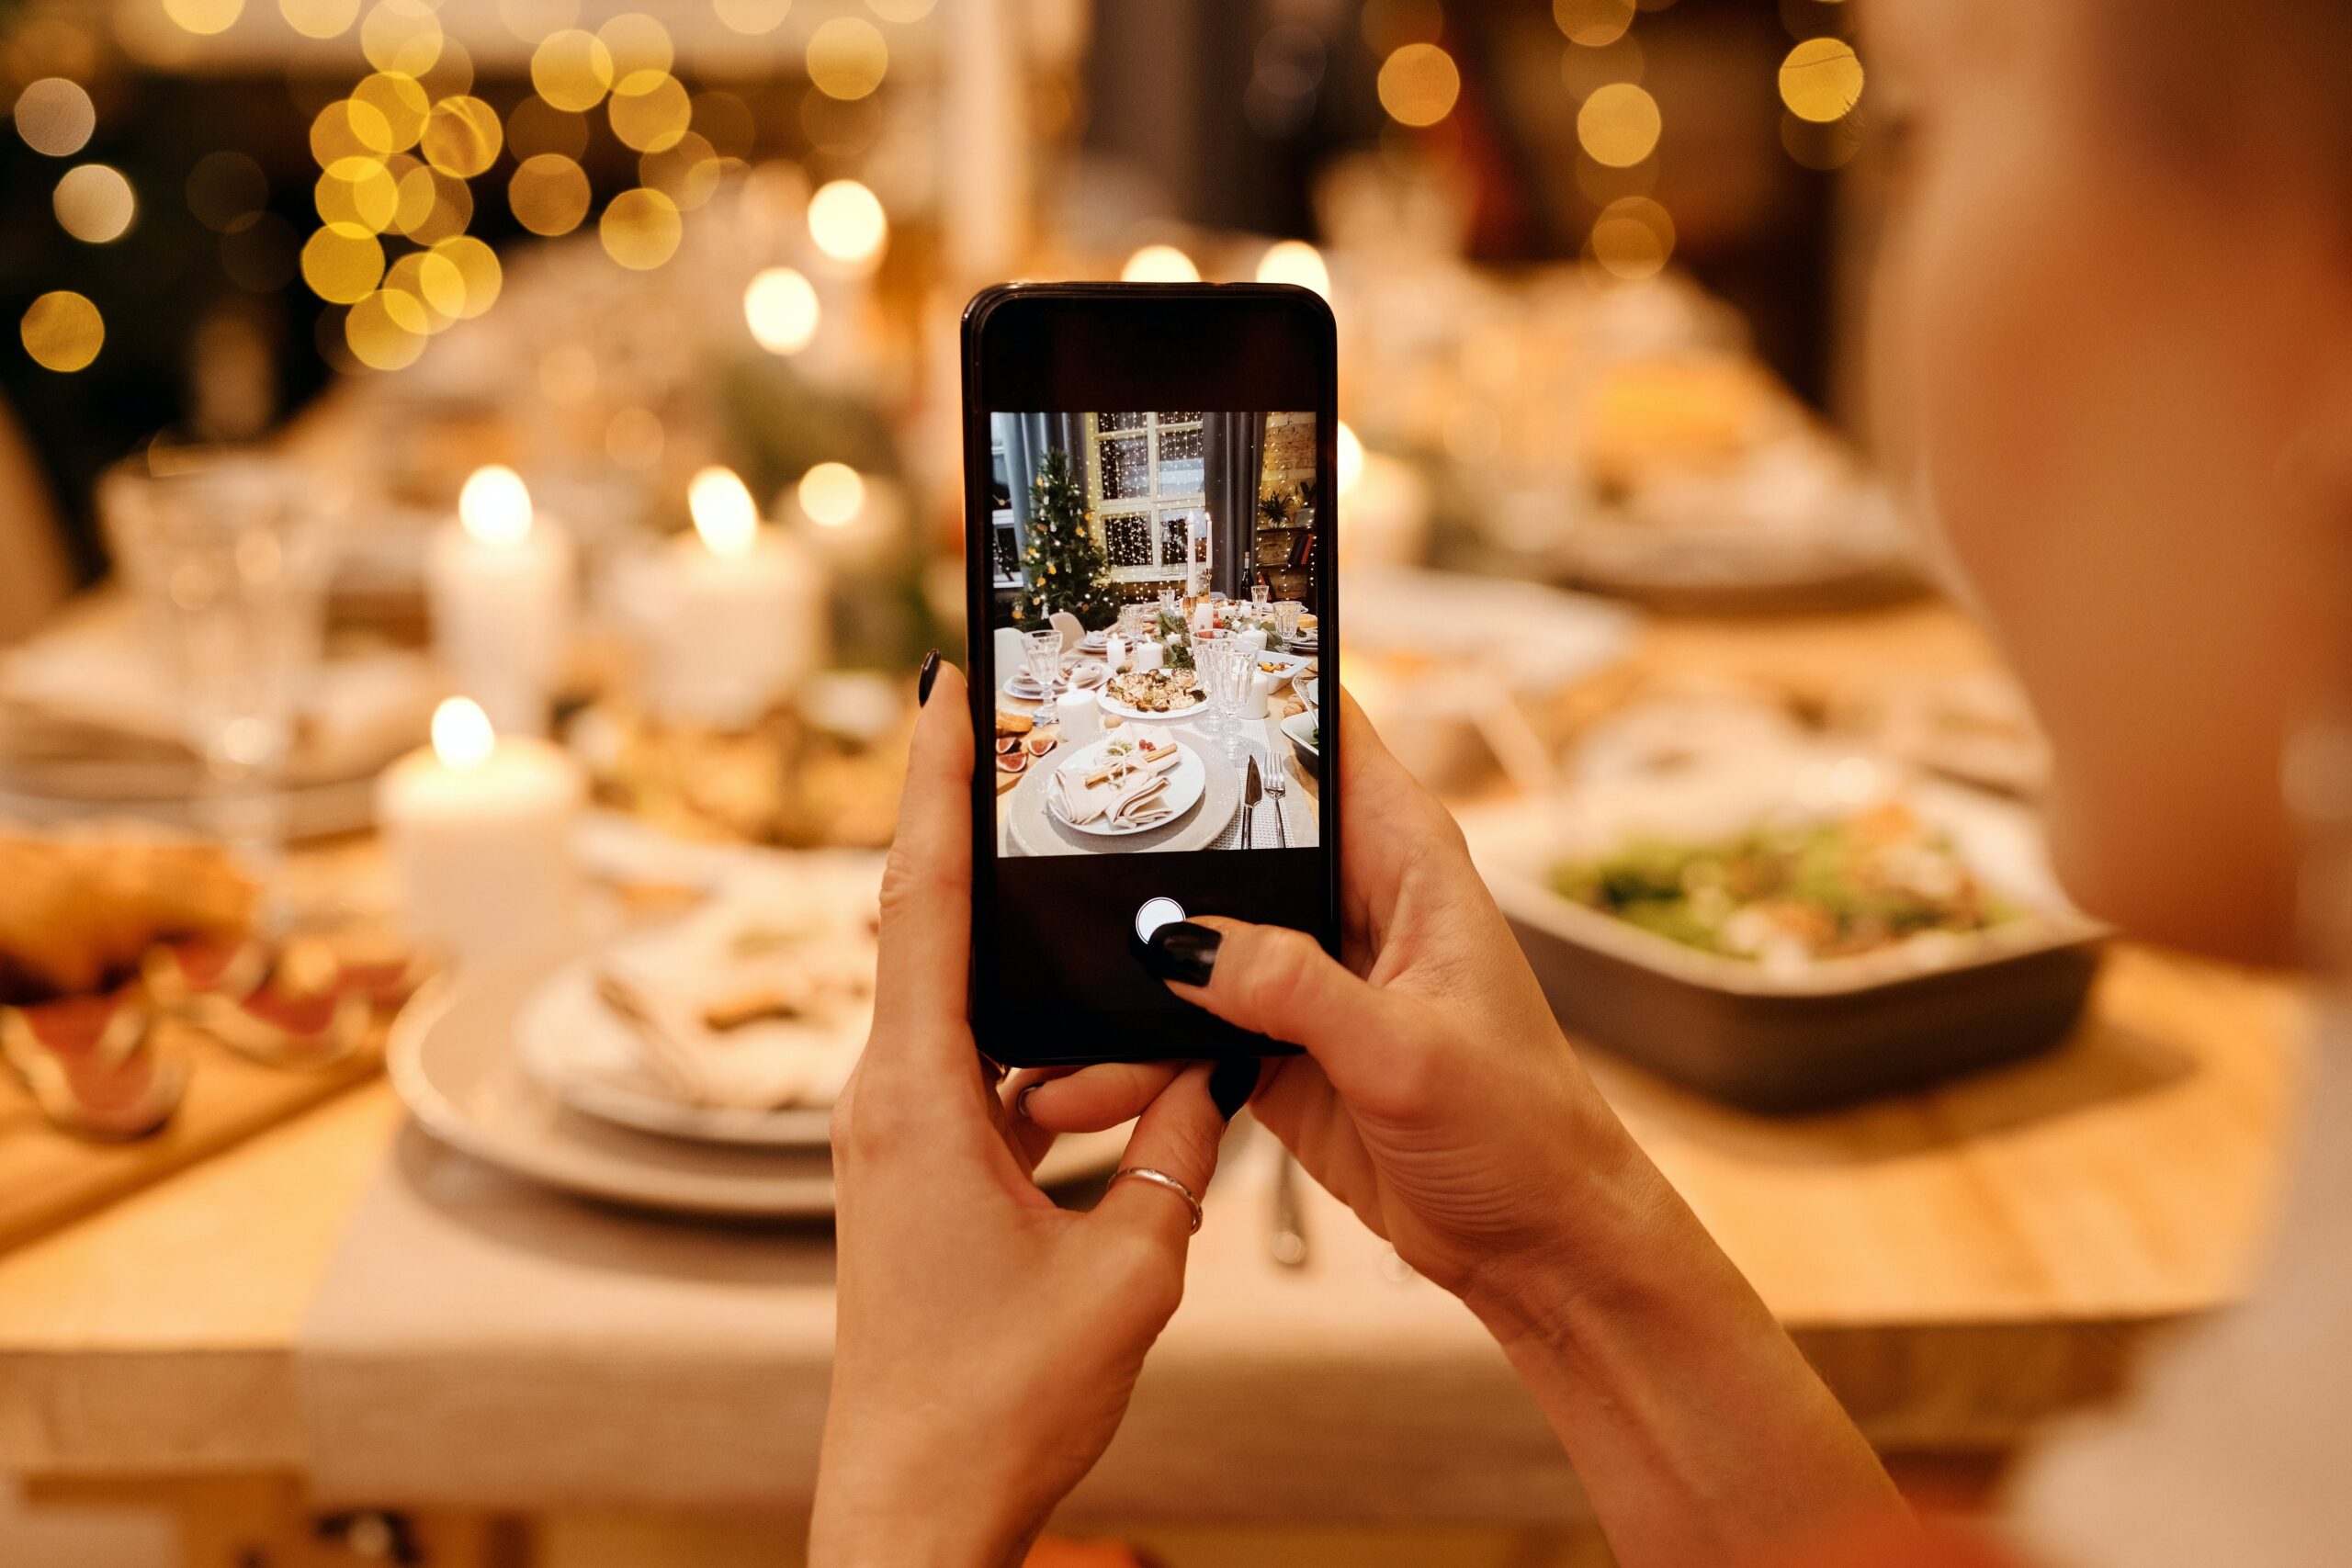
{"x":1062,"y":561}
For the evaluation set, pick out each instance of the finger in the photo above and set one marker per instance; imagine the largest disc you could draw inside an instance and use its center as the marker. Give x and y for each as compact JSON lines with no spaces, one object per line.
{"x":1028,"y":1140}
{"x":1178,"y":1136}
{"x":1094,"y":1099}
{"x":921,"y":974}
{"x":1278,"y":982}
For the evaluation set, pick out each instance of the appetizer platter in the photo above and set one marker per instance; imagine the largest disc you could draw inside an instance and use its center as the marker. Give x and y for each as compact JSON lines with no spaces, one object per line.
{"x":1153,"y":694}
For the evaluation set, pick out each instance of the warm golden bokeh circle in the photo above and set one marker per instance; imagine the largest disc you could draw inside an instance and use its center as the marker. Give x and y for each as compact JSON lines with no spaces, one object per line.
{"x":462,"y":137}
{"x":56,"y":117}
{"x":1633,"y":238}
{"x":342,"y":263}
{"x":95,"y":203}
{"x":649,"y":112}
{"x":475,"y":267}
{"x":1595,"y":23}
{"x":62,"y":331}
{"x":386,"y":330}
{"x":548,"y":194}
{"x":641,"y":229}
{"x":847,"y":57}
{"x":572,"y":70}
{"x":639,"y":47}
{"x":1619,"y":125}
{"x":401,"y":103}
{"x":402,"y":36}
{"x":1821,"y":80}
{"x":1418,"y":84}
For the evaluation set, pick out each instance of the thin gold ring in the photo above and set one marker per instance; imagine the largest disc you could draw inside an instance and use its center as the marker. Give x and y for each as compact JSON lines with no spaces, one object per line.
{"x":1161,"y":1179}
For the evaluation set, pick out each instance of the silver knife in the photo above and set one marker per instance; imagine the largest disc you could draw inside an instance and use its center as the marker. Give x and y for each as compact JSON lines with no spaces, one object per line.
{"x":1253,"y":792}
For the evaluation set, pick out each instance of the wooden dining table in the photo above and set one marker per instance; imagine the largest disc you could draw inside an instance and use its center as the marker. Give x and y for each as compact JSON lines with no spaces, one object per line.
{"x":1963,"y":1264}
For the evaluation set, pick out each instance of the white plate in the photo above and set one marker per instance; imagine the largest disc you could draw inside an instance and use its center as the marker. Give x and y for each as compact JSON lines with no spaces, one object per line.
{"x":1287,"y":665}
{"x":1308,"y":687}
{"x":1034,"y":829}
{"x":577,"y":1050}
{"x":1112,"y":704}
{"x":1028,"y":691}
{"x":453,"y":1063}
{"x":1301,"y":728}
{"x":1186,"y":782}
{"x":1087,"y":676}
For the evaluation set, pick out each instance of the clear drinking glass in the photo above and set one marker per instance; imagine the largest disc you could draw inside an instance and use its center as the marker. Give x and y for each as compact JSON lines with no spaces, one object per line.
{"x":1045,"y":663}
{"x":1261,"y":595}
{"x":226,"y":554}
{"x":1286,"y":616}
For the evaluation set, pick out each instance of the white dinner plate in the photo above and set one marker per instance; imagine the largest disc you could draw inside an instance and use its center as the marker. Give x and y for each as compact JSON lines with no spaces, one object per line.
{"x":452,"y":1060}
{"x":1028,"y":691}
{"x":1186,"y":781}
{"x":1034,"y":829}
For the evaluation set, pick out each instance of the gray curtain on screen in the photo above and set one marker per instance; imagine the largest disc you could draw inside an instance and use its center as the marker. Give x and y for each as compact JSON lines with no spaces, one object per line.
{"x":1231,"y":448}
{"x":1027,"y":438}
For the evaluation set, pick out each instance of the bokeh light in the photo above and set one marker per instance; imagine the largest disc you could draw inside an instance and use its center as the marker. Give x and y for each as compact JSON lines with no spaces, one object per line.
{"x":831,"y":494}
{"x":1633,"y":238}
{"x":723,"y":511}
{"x":639,"y":47}
{"x":95,"y":203}
{"x":429,"y":281}
{"x":401,"y":103}
{"x":386,"y":330}
{"x":358,"y":193}
{"x":1821,"y":80}
{"x":319,"y":19}
{"x":1159,"y":263}
{"x":1296,"y":261}
{"x":341,"y":264}
{"x":641,"y":229}
{"x":56,"y":117}
{"x":1594,"y":24}
{"x":847,"y":223}
{"x":462,"y":137}
{"x":434,"y":206}
{"x":847,"y":57}
{"x":402,"y":36}
{"x":62,"y":331}
{"x":349,"y":129}
{"x":494,"y":505}
{"x":548,"y":194}
{"x":462,"y":735}
{"x":1619,"y":125}
{"x":572,"y":69}
{"x":477,"y":274}
{"x":687,"y":173}
{"x":649,"y":111}
{"x":752,"y":17}
{"x":204,"y":17}
{"x":1418,"y":84}
{"x":780,"y":307}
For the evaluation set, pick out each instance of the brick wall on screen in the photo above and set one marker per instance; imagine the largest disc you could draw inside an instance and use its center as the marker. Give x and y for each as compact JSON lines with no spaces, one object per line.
{"x":1290,"y":449}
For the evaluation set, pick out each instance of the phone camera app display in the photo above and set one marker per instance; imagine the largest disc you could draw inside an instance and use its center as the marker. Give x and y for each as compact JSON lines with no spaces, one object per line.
{"x":1155,"y":648}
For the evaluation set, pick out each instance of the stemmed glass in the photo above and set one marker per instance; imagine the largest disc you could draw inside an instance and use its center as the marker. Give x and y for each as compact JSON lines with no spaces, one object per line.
{"x":226,"y":554}
{"x":1286,"y":616}
{"x":1261,"y":595}
{"x":1043,"y":653}
{"x":1214,"y":654}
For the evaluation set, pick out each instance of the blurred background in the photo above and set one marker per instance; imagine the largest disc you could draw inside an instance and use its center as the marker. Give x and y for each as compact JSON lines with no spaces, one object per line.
{"x":476,"y":478}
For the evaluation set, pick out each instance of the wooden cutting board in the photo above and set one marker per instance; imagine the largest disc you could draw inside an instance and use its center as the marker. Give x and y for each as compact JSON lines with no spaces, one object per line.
{"x":47,"y":1176}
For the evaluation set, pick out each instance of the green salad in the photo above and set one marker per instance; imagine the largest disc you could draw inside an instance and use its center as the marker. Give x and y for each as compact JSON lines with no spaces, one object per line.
{"x":1789,"y":894}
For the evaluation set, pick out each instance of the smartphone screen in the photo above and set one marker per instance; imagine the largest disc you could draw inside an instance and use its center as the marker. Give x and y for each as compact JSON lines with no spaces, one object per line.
{"x":1149,"y":554}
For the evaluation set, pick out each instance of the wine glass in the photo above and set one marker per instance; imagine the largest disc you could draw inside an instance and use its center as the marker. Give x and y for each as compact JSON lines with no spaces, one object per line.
{"x":226,"y":554}
{"x":1043,"y":658}
{"x":1261,"y":594}
{"x":1286,"y":616}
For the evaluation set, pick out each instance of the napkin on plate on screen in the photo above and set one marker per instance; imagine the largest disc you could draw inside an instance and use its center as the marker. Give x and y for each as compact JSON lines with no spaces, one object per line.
{"x":1135,"y":798}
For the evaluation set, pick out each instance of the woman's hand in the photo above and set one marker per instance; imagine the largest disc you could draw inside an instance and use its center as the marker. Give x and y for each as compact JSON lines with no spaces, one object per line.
{"x":1439,"y":1100}
{"x":986,"y":1341}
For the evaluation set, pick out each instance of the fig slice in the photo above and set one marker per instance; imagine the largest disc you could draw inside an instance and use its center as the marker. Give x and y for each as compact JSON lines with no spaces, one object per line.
{"x":92,"y":1067}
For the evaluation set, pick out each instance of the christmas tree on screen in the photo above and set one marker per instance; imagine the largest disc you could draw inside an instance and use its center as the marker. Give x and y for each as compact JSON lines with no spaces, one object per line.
{"x":1063,"y":560}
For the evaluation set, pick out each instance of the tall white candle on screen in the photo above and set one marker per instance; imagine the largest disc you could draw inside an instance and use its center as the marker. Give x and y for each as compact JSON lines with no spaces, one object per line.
{"x":729,"y":616}
{"x":479,"y":828}
{"x":500,"y":583}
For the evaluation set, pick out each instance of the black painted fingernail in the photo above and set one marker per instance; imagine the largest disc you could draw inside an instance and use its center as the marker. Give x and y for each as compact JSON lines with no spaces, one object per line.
{"x":1182,"y":951}
{"x":1231,"y":1082}
{"x":930,"y":673}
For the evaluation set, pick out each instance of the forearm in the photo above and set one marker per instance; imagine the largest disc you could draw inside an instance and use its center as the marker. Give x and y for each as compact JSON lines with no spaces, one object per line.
{"x":1700,"y":1433}
{"x":882,"y":1502}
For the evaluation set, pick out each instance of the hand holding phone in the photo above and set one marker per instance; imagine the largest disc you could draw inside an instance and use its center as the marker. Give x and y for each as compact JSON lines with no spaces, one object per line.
{"x":1150,"y":502}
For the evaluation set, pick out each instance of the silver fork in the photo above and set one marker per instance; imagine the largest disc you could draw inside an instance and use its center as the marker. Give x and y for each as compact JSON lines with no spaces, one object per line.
{"x":1277,"y":784}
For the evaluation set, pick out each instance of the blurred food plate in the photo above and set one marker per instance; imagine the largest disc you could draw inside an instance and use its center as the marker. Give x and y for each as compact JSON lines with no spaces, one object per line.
{"x":453,"y":1063}
{"x":737,"y":1023}
{"x":1703,"y":921}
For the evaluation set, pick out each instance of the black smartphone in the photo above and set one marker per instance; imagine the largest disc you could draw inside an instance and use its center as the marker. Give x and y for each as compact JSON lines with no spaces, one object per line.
{"x":1149,"y":492}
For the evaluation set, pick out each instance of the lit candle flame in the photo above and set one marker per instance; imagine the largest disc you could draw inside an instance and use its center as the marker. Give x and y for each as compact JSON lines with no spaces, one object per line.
{"x":462,"y":737}
{"x":781,"y":309}
{"x":1350,"y":458}
{"x":831,"y":494}
{"x":495,"y":506}
{"x":723,"y":511}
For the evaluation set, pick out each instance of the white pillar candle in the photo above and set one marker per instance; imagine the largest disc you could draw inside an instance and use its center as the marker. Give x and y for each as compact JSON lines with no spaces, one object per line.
{"x":479,"y":828}
{"x":500,"y":584}
{"x":1080,"y":715}
{"x":727,"y":618}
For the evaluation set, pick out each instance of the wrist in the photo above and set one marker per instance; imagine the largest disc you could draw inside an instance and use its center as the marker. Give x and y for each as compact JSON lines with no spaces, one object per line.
{"x":853,"y":1527}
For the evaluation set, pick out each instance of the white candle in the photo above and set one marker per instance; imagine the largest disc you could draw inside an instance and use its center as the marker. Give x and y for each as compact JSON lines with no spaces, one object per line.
{"x":727,"y":618}
{"x":500,"y":583}
{"x":480,"y":829}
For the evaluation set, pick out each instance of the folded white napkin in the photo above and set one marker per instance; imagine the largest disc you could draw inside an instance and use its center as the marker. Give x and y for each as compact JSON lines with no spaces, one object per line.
{"x":1135,"y":798}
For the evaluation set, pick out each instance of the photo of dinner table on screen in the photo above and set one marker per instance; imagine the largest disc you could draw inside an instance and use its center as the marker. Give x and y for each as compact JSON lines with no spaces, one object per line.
{"x":1153,"y":642}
